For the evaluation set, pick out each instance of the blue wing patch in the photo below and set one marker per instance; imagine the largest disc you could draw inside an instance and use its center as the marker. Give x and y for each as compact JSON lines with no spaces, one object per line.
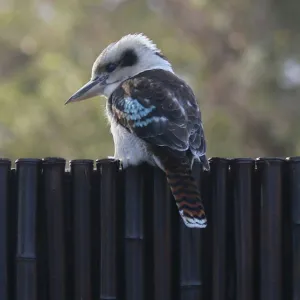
{"x":135,"y":113}
{"x":134,"y":110}
{"x":147,"y":121}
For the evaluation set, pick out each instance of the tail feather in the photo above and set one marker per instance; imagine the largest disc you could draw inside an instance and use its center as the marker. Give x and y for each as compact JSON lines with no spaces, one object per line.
{"x":187,"y":197}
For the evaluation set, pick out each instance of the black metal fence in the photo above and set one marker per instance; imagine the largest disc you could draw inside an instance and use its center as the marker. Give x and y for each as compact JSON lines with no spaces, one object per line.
{"x":108,"y":234}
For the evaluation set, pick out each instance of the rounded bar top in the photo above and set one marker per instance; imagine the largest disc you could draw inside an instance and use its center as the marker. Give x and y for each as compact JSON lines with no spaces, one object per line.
{"x":5,"y":161}
{"x":242,"y":160}
{"x":218,"y":160}
{"x":295,"y":159}
{"x":266,"y":160}
{"x":81,"y":162}
{"x":53,"y":160}
{"x":32,"y":161}
{"x":106,"y":161}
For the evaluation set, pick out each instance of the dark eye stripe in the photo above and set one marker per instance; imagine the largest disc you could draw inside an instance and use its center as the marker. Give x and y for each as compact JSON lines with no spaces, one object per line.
{"x":129,"y":58}
{"x":110,"y":67}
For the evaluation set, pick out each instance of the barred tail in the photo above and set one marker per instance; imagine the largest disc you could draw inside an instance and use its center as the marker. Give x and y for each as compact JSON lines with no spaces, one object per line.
{"x":187,"y":197}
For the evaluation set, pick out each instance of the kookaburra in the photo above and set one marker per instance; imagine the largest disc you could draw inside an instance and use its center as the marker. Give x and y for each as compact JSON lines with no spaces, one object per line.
{"x":154,"y":117}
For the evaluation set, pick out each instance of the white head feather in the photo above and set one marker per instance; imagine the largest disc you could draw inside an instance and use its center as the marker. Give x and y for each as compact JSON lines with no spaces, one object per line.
{"x":138,"y":38}
{"x":149,"y":57}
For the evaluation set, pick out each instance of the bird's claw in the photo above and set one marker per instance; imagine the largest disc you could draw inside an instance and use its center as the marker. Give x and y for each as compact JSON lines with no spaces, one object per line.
{"x":121,"y":167}
{"x":121,"y":164}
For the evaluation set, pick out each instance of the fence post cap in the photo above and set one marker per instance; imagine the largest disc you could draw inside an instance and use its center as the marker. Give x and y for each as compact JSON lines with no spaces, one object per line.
{"x":53,"y":160}
{"x":242,"y":160}
{"x":31,"y":161}
{"x":81,"y":162}
{"x":294,"y":159}
{"x":5,"y":161}
{"x":218,"y":160}
{"x":266,"y":160}
{"x":107,"y":161}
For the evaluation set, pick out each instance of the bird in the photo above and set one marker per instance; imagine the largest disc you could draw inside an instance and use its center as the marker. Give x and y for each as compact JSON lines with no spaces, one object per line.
{"x":154,"y":117}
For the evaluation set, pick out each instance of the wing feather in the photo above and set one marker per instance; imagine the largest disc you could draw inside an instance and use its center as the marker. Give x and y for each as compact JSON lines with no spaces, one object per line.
{"x":161,"y":109}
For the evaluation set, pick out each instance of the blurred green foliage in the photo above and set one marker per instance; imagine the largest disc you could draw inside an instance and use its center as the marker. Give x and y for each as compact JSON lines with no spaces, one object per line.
{"x":240,"y":57}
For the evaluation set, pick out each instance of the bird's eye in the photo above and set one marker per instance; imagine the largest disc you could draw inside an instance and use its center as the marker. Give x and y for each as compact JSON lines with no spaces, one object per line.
{"x":111,"y":67}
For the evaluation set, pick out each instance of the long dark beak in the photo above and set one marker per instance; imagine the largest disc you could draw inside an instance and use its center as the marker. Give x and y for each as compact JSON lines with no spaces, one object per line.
{"x":91,"y":89}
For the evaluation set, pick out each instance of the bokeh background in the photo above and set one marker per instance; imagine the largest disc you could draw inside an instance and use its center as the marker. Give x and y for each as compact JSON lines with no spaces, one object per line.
{"x":240,"y":56}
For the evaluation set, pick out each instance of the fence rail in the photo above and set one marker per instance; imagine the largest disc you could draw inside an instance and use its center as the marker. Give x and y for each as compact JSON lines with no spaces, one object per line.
{"x":101,"y":233}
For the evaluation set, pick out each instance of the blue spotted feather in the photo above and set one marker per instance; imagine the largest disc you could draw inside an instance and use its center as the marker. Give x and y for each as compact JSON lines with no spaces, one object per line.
{"x":160,"y":109}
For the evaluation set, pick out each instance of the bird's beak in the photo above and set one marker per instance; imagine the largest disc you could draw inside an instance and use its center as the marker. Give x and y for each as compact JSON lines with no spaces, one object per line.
{"x":91,"y":89}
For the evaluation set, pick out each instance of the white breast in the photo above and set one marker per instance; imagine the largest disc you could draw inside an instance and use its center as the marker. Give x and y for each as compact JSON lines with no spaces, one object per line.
{"x":130,"y":149}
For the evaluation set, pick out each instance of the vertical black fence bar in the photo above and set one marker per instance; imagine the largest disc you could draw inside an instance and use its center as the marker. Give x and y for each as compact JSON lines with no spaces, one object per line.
{"x":293,"y":168}
{"x":147,"y":172}
{"x":207,"y":236}
{"x":218,"y":222}
{"x":134,"y":234}
{"x":162,"y":237}
{"x":191,"y":281}
{"x":270,"y":177}
{"x":109,"y":224}
{"x":5,"y":165}
{"x":28,"y":177}
{"x":242,"y":175}
{"x":53,"y":195}
{"x":287,"y":228}
{"x":81,"y":174}
{"x":12,"y":222}
{"x":68,"y":208}
{"x":95,"y":234}
{"x":203,"y":236}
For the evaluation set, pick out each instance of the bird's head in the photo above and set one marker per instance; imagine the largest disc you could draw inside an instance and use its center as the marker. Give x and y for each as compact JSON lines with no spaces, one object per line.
{"x":131,"y":55}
